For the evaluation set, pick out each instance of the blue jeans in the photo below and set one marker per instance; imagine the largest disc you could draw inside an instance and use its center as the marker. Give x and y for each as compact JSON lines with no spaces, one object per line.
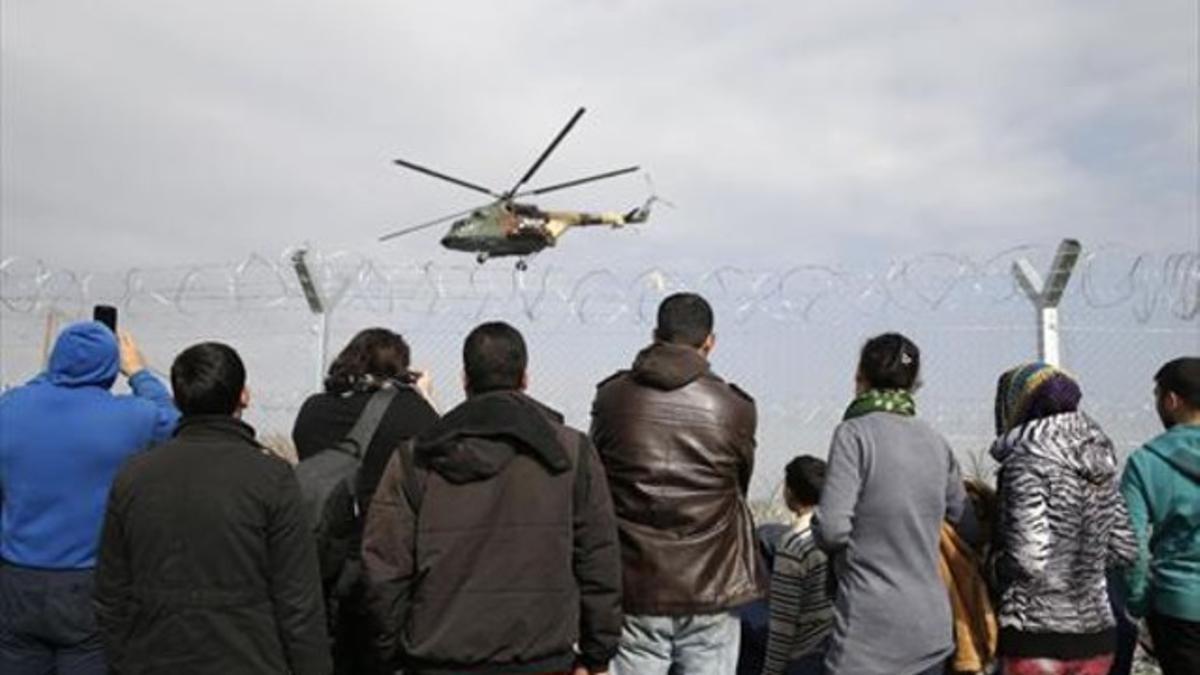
{"x":47,"y":624}
{"x":700,"y":644}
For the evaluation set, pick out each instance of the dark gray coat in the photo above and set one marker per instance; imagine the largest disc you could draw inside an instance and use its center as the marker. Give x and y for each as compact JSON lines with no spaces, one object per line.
{"x":890,"y":483}
{"x":495,"y":548}
{"x":206,"y":563}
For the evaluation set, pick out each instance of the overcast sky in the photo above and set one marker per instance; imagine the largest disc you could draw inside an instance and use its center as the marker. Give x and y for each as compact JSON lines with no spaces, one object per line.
{"x":148,"y":133}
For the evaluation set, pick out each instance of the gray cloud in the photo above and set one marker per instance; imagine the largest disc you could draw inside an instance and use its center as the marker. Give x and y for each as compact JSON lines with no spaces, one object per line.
{"x":142,"y":133}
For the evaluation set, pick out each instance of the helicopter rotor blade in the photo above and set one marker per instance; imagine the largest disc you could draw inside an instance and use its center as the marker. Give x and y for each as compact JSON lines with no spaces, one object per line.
{"x":577,"y":181}
{"x":452,"y":179}
{"x":422,"y":226}
{"x":546,"y":153}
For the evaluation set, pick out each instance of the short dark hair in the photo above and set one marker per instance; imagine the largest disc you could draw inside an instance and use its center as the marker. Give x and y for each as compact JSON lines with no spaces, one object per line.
{"x":684,"y":318}
{"x":373,"y":353}
{"x":1182,"y":378}
{"x":494,"y":358}
{"x":208,"y":379}
{"x":890,"y":361}
{"x":805,"y":478}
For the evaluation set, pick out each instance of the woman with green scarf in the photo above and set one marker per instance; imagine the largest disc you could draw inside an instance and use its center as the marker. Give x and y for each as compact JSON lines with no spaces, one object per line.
{"x":891,"y":481}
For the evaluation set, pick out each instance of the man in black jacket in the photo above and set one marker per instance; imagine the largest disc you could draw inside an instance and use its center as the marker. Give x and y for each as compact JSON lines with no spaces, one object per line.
{"x":490,"y":546}
{"x":206,"y":563}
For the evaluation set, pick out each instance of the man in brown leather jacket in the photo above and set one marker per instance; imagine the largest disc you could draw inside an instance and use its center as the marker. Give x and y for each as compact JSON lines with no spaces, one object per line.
{"x":490,"y":545}
{"x":677,"y":443}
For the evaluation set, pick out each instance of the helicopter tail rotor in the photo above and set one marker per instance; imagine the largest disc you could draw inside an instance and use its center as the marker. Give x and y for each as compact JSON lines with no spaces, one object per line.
{"x":654,"y":194}
{"x":642,"y":213}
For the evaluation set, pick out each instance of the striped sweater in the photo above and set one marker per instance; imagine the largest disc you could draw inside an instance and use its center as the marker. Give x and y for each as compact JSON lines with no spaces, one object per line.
{"x":801,"y":601}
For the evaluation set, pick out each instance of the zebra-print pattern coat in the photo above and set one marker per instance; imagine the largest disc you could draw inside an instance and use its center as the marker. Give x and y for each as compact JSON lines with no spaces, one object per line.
{"x":1062,"y":523}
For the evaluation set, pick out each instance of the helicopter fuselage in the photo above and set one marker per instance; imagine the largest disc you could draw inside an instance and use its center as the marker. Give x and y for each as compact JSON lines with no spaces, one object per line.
{"x":498,"y":230}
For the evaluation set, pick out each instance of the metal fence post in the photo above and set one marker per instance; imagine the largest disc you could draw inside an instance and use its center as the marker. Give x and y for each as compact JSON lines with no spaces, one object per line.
{"x":316,"y":305}
{"x":1045,"y":296}
{"x":322,"y":306}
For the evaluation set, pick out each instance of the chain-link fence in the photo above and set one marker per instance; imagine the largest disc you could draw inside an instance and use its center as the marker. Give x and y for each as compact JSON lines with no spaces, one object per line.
{"x":789,"y":337}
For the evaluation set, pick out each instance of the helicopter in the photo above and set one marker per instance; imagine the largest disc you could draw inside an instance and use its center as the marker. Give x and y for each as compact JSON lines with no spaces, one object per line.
{"x":506,"y":227}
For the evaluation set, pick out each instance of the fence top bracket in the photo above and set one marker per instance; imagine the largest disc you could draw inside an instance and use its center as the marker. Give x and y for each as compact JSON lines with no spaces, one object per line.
{"x":1047,"y":294}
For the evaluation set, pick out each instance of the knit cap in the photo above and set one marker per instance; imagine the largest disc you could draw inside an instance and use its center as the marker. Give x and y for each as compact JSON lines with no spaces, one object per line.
{"x":1033,"y":391}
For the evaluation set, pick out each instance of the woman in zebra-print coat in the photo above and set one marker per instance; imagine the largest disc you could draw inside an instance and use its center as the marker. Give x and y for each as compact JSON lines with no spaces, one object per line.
{"x":1062,"y":523}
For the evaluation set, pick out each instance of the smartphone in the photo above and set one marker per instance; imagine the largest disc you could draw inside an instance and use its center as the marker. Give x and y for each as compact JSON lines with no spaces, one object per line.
{"x":107,"y":315}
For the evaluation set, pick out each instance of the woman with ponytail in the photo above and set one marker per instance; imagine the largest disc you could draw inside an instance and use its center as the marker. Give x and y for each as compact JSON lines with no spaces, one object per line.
{"x":891,"y":482}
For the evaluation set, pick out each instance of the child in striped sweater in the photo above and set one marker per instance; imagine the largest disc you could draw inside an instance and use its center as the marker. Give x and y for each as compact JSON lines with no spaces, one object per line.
{"x":801,"y":599}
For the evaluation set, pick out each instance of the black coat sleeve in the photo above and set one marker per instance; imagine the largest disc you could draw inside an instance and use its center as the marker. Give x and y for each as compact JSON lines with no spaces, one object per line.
{"x":597,"y":562}
{"x":114,"y":583}
{"x":295,"y":583}
{"x":307,"y":430}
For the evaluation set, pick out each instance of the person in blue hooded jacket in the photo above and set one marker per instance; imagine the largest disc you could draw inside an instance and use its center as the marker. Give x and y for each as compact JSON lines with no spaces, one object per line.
{"x":63,"y":436}
{"x":1162,"y":487}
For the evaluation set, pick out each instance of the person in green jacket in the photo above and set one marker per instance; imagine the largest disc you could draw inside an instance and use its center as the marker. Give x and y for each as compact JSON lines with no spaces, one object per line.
{"x":1162,"y":488}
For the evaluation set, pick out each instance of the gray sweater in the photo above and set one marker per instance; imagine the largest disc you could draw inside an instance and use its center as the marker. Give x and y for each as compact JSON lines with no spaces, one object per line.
{"x":891,"y":481}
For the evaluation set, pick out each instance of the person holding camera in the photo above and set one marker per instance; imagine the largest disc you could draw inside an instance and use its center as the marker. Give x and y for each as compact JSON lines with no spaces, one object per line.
{"x":375,"y":359}
{"x":63,"y":436}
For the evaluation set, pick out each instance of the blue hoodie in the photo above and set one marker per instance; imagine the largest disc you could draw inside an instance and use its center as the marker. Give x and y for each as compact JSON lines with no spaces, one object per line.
{"x":62,"y":438}
{"x":1162,"y":487}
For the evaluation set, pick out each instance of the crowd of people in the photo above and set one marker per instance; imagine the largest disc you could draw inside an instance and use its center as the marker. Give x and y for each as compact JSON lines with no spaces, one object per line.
{"x":153,"y":533}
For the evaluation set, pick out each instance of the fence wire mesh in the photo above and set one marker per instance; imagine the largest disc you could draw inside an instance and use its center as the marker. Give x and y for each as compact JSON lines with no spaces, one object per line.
{"x":788,"y":336}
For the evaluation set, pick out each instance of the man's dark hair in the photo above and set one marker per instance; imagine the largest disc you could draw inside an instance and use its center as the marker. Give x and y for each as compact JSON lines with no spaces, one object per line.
{"x":1182,"y":378}
{"x":375,"y":352}
{"x":805,"y":477}
{"x":208,"y":379}
{"x":685,"y":319}
{"x":494,"y":358}
{"x":890,"y":361}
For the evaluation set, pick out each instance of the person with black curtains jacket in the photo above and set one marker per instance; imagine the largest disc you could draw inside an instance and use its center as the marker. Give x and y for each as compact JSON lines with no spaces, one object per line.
{"x":373,"y":359}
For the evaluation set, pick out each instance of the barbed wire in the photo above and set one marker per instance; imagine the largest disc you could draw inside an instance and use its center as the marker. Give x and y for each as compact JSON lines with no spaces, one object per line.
{"x":1149,"y":284}
{"x":1128,"y":310}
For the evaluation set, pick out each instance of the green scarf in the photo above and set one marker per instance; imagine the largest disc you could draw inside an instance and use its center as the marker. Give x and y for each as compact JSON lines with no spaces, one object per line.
{"x":896,"y":401}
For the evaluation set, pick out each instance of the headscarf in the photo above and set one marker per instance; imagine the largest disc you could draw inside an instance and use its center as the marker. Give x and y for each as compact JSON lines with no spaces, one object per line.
{"x":1033,"y":391}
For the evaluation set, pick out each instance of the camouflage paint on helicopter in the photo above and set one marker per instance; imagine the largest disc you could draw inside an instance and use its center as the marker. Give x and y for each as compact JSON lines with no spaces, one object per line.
{"x":510,"y":229}
{"x":505,"y":227}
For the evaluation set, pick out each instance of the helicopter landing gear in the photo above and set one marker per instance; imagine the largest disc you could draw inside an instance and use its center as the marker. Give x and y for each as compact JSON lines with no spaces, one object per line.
{"x":522,"y":265}
{"x":481,"y":258}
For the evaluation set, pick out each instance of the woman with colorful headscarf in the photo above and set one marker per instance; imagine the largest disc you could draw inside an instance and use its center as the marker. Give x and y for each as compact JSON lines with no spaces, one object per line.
{"x":890,"y":482}
{"x":1061,"y":524}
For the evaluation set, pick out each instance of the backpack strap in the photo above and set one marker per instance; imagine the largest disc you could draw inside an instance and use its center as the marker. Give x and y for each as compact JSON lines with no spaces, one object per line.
{"x":356,"y":441}
{"x":412,"y":484}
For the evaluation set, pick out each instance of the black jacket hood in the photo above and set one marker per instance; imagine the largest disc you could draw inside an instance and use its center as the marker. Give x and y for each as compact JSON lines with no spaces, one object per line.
{"x":668,"y":366}
{"x":477,"y":439}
